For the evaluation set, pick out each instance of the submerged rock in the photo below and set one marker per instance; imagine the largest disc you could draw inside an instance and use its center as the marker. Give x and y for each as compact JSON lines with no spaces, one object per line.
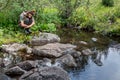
{"x":66,"y":61}
{"x":87,"y":52}
{"x":52,"y":49}
{"x":4,"y":77}
{"x":46,"y":73}
{"x":12,"y":48}
{"x":15,"y":71}
{"x":44,"y":38}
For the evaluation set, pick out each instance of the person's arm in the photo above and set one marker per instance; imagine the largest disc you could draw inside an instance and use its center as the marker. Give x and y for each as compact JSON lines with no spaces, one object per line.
{"x":23,"y":25}
{"x":31,"y":24}
{"x":22,"y":20}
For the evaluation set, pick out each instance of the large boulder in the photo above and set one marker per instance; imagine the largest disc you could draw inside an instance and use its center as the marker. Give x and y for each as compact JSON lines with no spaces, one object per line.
{"x":52,"y":49}
{"x":46,"y":73}
{"x":12,"y":48}
{"x":66,"y":61}
{"x":27,"y":65}
{"x":44,"y":38}
{"x":15,"y":71}
{"x":4,"y":77}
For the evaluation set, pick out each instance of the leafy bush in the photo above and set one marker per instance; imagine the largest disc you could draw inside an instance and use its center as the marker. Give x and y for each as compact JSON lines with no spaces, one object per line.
{"x":49,"y":27}
{"x":108,"y":3}
{"x":117,"y":12}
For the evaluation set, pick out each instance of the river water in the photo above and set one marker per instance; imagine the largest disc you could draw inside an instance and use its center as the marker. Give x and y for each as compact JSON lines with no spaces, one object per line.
{"x":103,"y":65}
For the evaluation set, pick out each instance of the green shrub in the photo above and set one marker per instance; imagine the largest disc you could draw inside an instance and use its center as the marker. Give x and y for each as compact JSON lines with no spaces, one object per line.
{"x":117,"y":12}
{"x":108,"y":3}
{"x":49,"y":27}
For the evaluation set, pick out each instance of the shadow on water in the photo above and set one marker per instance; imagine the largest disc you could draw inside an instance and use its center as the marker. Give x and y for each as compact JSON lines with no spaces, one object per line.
{"x":102,"y":65}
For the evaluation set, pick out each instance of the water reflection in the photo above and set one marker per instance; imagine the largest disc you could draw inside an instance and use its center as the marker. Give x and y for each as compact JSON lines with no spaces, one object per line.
{"x":102,"y":65}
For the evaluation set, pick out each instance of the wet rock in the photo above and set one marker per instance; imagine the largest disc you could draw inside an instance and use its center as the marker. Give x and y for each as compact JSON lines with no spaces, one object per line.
{"x":83,"y":42}
{"x":44,"y":63}
{"x":4,"y":62}
{"x":4,"y":77}
{"x":27,"y":65}
{"x":66,"y":61}
{"x":7,"y":61}
{"x":98,"y":62}
{"x":14,"y":71}
{"x":44,"y":38}
{"x":52,"y":49}
{"x":11,"y":48}
{"x":1,"y":63}
{"x":76,"y":54}
{"x":73,"y":52}
{"x":46,"y":73}
{"x":94,"y":39}
{"x":117,"y":46}
{"x":87,"y":52}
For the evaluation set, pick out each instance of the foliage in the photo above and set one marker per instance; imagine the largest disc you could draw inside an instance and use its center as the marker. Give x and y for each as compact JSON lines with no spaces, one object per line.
{"x":50,"y":27}
{"x":50,"y":14}
{"x":109,"y":3}
{"x":66,"y":8}
{"x":4,"y":4}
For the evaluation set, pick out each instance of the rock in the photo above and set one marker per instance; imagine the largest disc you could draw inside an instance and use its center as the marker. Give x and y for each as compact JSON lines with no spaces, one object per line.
{"x":27,"y":65}
{"x":117,"y":46}
{"x":83,"y":42}
{"x":66,"y":61}
{"x":4,"y":77}
{"x":98,"y":62}
{"x":11,"y":48}
{"x":44,"y":38}
{"x":94,"y":39}
{"x":1,"y":63}
{"x":46,"y":73}
{"x":44,"y":63}
{"x":52,"y":49}
{"x":87,"y":52}
{"x":74,"y":53}
{"x":14,"y":71}
{"x":7,"y":61}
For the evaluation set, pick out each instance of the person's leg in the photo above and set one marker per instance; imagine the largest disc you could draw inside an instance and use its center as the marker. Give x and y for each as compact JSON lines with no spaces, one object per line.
{"x":28,"y":31}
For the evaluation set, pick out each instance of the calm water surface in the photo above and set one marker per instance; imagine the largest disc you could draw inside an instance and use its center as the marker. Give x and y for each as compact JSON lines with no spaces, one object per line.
{"x":110,"y":70}
{"x":103,"y":65}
